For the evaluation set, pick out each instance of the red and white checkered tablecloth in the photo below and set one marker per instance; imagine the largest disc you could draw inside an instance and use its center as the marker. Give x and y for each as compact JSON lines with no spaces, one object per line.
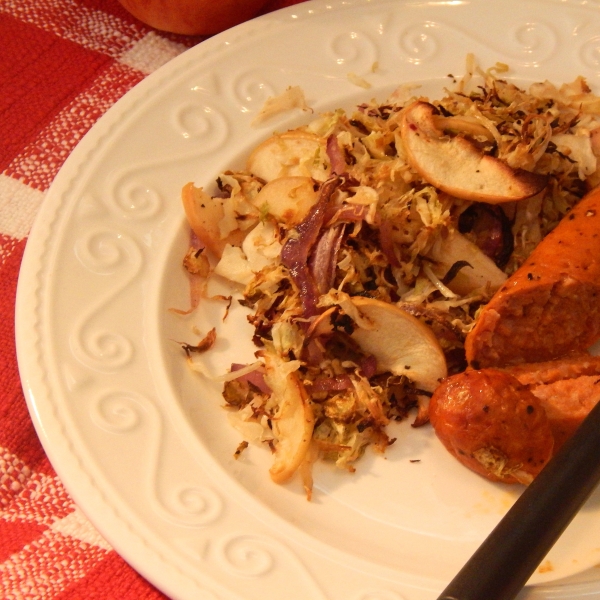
{"x":63,"y":63}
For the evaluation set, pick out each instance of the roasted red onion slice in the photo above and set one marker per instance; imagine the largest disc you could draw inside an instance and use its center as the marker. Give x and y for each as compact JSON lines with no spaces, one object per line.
{"x":489,"y":228}
{"x":337,"y":383}
{"x":295,"y":252}
{"x":256,"y":378}
{"x":323,"y":258}
{"x":336,"y":157}
{"x":313,"y":353}
{"x":368,"y":366}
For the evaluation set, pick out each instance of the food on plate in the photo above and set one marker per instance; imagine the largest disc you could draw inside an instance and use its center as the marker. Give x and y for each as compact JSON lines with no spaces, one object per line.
{"x":493,"y":425}
{"x":506,"y":423}
{"x":206,"y":216}
{"x":536,"y":330}
{"x":567,"y":388}
{"x":550,"y":306}
{"x":365,"y":264}
{"x":293,"y":98}
{"x":456,"y":249}
{"x":456,"y":165}
{"x":291,"y":153}
{"x":401,"y":344}
{"x":543,"y":373}
{"x":293,"y":420}
{"x":288,"y":199}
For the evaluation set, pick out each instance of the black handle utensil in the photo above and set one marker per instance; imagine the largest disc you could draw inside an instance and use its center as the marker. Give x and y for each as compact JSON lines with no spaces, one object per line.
{"x":503,"y":564}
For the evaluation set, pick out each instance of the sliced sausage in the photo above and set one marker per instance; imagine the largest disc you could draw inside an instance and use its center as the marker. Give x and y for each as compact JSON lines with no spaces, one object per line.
{"x":551,"y":305}
{"x":568,"y":389}
{"x":567,"y":403}
{"x":493,"y":425}
{"x":569,"y":367}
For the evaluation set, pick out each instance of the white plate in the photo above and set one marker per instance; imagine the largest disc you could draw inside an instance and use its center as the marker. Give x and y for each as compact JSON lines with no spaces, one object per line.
{"x":140,"y":442}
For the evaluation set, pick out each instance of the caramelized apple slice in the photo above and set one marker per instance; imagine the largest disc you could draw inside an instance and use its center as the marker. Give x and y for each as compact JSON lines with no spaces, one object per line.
{"x":478,"y":272}
{"x":400,"y":343}
{"x":293,"y":153}
{"x":293,"y":422}
{"x":288,"y":199}
{"x":456,"y":166}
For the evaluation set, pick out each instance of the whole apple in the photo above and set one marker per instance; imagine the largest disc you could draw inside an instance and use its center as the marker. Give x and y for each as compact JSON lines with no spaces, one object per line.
{"x":193,"y":17}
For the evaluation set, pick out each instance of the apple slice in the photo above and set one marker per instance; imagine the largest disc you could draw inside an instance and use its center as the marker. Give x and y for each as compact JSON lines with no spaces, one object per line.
{"x":479,"y":273}
{"x":400,"y":343}
{"x":456,"y":166}
{"x":288,"y":199}
{"x":293,"y":153}
{"x":462,"y":125}
{"x":293,"y":422}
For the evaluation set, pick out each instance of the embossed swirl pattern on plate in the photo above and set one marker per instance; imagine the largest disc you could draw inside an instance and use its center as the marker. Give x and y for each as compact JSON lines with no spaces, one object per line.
{"x":533,"y":42}
{"x":354,"y":50}
{"x":205,"y":125}
{"x":134,"y":198}
{"x":420,"y":42}
{"x":589,"y":53}
{"x":136,"y":192}
{"x":105,"y":252}
{"x":248,"y":556}
{"x":117,"y":411}
{"x":525,"y":43}
{"x":251,"y":89}
{"x":123,"y":411}
{"x":254,"y":556}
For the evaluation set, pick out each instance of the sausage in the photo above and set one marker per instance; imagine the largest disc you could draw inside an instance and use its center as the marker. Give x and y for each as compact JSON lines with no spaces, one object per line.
{"x":551,"y":305}
{"x":492,"y":424}
{"x":569,"y":367}
{"x":567,"y":389}
{"x":567,"y":402}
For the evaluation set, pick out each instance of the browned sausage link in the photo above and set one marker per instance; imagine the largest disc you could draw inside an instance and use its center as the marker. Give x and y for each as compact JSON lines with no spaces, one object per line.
{"x":551,"y":305}
{"x":493,"y":425}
